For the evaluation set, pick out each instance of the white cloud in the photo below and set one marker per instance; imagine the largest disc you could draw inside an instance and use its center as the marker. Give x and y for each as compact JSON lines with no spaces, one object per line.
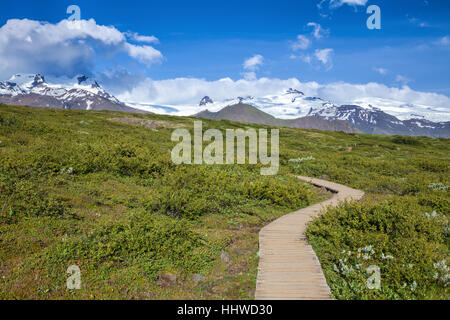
{"x":64,"y":48}
{"x":249,"y":75}
{"x":325,"y":11}
{"x":306,"y":58}
{"x":402,"y":79}
{"x":254,"y":62}
{"x":339,"y":3}
{"x":182,"y":91}
{"x":185,"y":93}
{"x":445,"y":41}
{"x":303,"y":57}
{"x":381,"y":71}
{"x":417,"y":22}
{"x":320,"y":4}
{"x":343,"y":92}
{"x":144,"y":54}
{"x":318,"y":32}
{"x":140,"y":38}
{"x":302,"y":43}
{"x":324,"y":56}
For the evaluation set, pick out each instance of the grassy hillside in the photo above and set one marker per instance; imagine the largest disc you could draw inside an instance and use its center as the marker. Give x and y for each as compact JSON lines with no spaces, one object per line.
{"x":83,"y":188}
{"x":79,"y":188}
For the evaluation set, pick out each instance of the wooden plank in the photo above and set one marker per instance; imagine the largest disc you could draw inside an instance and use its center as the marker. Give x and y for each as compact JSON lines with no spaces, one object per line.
{"x":288,"y":267}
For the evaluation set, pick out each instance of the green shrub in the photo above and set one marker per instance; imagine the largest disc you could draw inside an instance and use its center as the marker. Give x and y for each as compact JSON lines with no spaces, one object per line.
{"x":7,"y":120}
{"x":284,"y":192}
{"x":24,"y":199}
{"x":407,"y":140}
{"x":75,"y":186}
{"x":152,"y":244}
{"x":405,"y":242}
{"x":193,"y":191}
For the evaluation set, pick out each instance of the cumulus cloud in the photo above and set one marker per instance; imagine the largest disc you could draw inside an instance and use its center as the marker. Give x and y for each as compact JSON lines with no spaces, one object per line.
{"x":339,"y":3}
{"x":324,"y":56}
{"x":302,"y":43}
{"x":141,"y":38}
{"x":144,"y":54}
{"x":182,"y":91}
{"x":187,"y":92}
{"x":326,"y":7}
{"x":318,"y":32}
{"x":251,"y":65}
{"x":249,"y":75}
{"x":254,"y":62}
{"x":66,"y":48}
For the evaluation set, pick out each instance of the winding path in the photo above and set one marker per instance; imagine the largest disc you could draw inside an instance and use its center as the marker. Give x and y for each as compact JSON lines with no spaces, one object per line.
{"x":288,"y":267}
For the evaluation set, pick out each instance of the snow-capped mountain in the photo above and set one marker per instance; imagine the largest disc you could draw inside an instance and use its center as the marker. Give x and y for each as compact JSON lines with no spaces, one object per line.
{"x":290,"y":104}
{"x":368,"y":115}
{"x":82,"y":93}
{"x":404,"y":111}
{"x":374,"y":120}
{"x":294,"y":104}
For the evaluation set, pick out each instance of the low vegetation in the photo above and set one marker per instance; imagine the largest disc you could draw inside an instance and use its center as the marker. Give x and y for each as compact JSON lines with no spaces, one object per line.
{"x":401,"y":227}
{"x":86,"y":189}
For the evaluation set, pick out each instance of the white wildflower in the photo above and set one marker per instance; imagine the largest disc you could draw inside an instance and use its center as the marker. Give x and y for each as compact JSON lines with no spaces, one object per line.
{"x":68,"y":171}
{"x":434,"y":214}
{"x":442,"y":271}
{"x":300,"y":160}
{"x":368,"y":252}
{"x":438,"y":186}
{"x":386,"y":257}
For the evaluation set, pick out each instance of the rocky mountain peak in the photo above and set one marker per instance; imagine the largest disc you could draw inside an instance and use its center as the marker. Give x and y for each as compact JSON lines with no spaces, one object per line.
{"x":294,"y":91}
{"x":38,"y":80}
{"x":206,"y":100}
{"x":95,"y":85}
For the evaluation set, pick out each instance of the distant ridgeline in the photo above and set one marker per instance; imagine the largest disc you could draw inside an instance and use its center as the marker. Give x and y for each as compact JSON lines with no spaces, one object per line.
{"x":301,"y":111}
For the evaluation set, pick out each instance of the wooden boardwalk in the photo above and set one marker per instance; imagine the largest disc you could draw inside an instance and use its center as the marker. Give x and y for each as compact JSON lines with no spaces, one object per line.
{"x":288,"y":267}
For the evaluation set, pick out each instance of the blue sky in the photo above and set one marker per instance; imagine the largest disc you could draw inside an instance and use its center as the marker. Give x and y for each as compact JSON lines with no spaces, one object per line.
{"x":212,"y":39}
